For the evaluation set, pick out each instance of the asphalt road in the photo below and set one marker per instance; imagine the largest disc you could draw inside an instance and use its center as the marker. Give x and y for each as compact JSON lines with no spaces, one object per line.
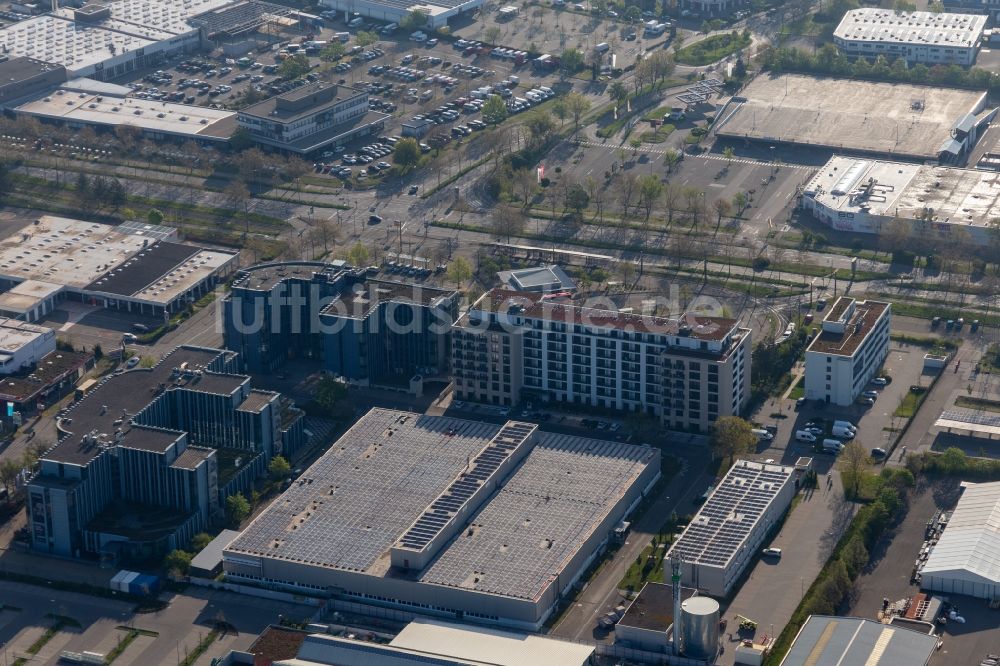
{"x":601,"y":594}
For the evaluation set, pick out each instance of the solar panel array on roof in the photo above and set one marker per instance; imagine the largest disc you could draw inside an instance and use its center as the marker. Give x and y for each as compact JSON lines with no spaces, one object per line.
{"x":353,"y":503}
{"x":719,"y":529}
{"x":477,"y":473}
{"x":524,"y":537}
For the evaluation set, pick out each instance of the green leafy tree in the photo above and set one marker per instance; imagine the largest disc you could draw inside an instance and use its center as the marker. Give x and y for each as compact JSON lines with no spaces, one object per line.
{"x":178,"y":560}
{"x":279,"y":468}
{"x":571,"y":61}
{"x":632,"y":13}
{"x":365,"y":38}
{"x":415,"y":20}
{"x":293,"y":67}
{"x":241,"y":139}
{"x":459,"y":271}
{"x":740,"y":202}
{"x":618,"y":92}
{"x":577,"y":105}
{"x":154,"y":216}
{"x":577,"y":198}
{"x":200,"y":541}
{"x":358,"y":255}
{"x":330,"y":395}
{"x":237,"y":509}
{"x":731,"y":437}
{"x":9,"y":469}
{"x":406,"y":153}
{"x":335,"y":50}
{"x":494,"y":110}
{"x":853,"y":464}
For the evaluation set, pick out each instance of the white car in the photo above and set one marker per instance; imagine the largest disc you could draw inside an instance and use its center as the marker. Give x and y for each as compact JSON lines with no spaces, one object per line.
{"x":771,"y":552}
{"x":880,"y":381}
{"x":132,"y":362}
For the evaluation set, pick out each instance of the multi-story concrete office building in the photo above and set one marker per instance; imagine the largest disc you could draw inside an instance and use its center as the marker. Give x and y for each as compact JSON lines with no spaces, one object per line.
{"x":852,"y":344}
{"x":146,"y":459}
{"x":728,"y":531}
{"x":932,"y":38}
{"x":311,"y":117}
{"x":445,"y":517}
{"x":519,"y":346}
{"x":366,"y":330}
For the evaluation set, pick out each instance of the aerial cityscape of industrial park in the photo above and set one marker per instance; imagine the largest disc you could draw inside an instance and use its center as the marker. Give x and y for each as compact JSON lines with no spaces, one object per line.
{"x":456,"y":332}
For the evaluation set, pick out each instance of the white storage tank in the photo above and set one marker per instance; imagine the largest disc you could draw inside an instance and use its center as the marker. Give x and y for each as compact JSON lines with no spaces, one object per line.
{"x":700,"y":627}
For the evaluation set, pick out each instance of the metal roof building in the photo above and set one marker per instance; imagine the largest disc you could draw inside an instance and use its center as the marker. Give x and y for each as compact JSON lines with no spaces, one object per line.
{"x":966,"y":560}
{"x":834,"y":641}
{"x":441,"y":516}
{"x":442,"y":644}
{"x":729,"y":529}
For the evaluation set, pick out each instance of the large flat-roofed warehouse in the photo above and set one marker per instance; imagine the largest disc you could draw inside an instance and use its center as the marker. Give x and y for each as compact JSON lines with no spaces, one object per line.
{"x":887,"y":119}
{"x":966,"y":559}
{"x":729,"y":529}
{"x":440,"y":516}
{"x":925,"y":37}
{"x":838,"y":641}
{"x":133,"y":266}
{"x":87,"y":103}
{"x":864,"y":196}
{"x":110,"y":40}
{"x":20,"y":78}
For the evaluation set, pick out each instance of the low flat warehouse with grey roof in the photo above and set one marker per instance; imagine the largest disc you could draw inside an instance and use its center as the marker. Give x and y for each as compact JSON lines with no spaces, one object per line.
{"x":446,"y":517}
{"x":896,"y":120}
{"x":132,"y":266}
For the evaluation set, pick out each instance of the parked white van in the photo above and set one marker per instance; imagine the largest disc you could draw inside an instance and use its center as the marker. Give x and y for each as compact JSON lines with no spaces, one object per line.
{"x":842,"y":431}
{"x":805,"y":436}
{"x":832,"y":445}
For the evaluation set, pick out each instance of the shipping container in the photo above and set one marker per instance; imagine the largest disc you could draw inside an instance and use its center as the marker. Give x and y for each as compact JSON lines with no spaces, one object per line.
{"x":123,"y":585}
{"x":144,"y":585}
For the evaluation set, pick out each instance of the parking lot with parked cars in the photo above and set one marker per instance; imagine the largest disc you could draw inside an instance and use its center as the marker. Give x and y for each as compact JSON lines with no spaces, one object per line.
{"x":411,"y":79}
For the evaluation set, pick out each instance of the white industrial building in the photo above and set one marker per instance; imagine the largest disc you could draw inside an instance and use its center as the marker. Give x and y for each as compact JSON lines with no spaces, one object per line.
{"x":729,"y":529}
{"x":394,"y":11}
{"x":108,"y":41}
{"x":864,"y":196}
{"x":445,"y":517}
{"x":845,"y":356}
{"x":22,"y":345}
{"x":932,"y":38}
{"x":966,"y":559}
{"x":133,"y":266}
{"x":100,"y":105}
